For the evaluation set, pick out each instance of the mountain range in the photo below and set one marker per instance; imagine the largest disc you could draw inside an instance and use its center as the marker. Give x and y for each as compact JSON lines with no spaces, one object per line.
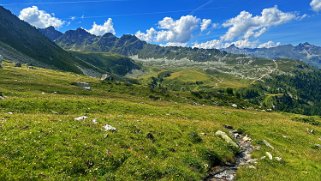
{"x":129,"y":45}
{"x":305,"y":52}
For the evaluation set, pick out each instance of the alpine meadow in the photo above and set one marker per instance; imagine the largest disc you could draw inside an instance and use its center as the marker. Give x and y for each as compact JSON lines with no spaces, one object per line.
{"x":211,"y":90}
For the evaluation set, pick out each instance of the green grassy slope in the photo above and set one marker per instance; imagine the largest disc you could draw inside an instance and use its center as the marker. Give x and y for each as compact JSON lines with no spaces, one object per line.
{"x":28,"y":40}
{"x":108,"y":62}
{"x":42,"y":141}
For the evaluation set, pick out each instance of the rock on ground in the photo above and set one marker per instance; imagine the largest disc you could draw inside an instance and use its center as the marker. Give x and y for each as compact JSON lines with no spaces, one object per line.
{"x":81,"y":118}
{"x":269,"y":155}
{"x":108,"y":127}
{"x":226,"y":138}
{"x":268,"y":144}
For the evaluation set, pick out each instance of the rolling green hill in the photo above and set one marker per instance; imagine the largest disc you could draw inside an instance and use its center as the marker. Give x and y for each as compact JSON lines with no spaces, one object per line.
{"x":155,"y":140}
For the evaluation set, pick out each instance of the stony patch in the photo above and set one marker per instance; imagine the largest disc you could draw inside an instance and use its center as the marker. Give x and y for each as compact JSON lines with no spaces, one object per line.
{"x":228,"y":171}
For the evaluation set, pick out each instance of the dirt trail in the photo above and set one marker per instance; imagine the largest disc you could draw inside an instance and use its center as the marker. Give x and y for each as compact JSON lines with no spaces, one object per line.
{"x":268,"y":73}
{"x":227,"y":172}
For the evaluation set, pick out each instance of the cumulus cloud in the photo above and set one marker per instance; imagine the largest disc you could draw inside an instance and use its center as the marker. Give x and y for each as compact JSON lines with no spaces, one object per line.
{"x":170,"y":31}
{"x":246,"y":25}
{"x":148,"y":36}
{"x":218,"y":44}
{"x":175,"y":44}
{"x":39,"y":18}
{"x":269,"y":44}
{"x":316,"y":5}
{"x":177,"y":30}
{"x":205,"y":24}
{"x":99,"y":30}
{"x":210,"y":44}
{"x":244,"y":29}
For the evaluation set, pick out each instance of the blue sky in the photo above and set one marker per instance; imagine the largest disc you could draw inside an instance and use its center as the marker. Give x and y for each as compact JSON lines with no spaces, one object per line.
{"x":298,"y":22}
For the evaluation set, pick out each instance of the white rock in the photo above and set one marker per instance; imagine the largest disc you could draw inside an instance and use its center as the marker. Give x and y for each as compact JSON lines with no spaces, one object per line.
{"x":10,"y":113}
{"x":226,"y":138}
{"x":104,"y":76}
{"x":246,"y":138}
{"x":269,"y":155}
{"x":252,"y":167}
{"x":278,"y":159}
{"x":81,"y":118}
{"x":94,"y":121}
{"x":108,"y":127}
{"x":234,"y":105}
{"x":268,"y":144}
{"x":263,"y":157}
{"x":317,"y":145}
{"x":284,"y":136}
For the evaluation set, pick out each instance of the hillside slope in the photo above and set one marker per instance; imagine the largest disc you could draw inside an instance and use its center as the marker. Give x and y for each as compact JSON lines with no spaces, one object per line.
{"x":20,"y":42}
{"x":155,"y":140}
{"x":18,"y":36}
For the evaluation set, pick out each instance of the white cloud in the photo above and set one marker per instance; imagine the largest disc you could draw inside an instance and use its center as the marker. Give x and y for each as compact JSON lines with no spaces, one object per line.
{"x":246,"y":26}
{"x":218,"y":44}
{"x":210,"y":44}
{"x":269,"y":44}
{"x":177,"y":30}
{"x":244,"y":29}
{"x":39,"y":18}
{"x":205,"y":24}
{"x":175,"y":44}
{"x":316,"y":5}
{"x":173,"y":31}
{"x":99,"y":30}
{"x":148,"y":36}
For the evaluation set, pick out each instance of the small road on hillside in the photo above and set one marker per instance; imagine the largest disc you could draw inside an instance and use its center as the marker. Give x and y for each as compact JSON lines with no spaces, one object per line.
{"x":268,"y":73}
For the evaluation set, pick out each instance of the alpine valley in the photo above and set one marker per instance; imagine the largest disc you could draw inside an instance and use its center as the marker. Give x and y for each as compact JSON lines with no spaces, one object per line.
{"x":76,"y":106}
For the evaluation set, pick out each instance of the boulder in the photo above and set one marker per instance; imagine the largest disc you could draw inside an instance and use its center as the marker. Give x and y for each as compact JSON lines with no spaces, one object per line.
{"x":226,"y":138}
{"x":269,"y":155}
{"x":104,"y":76}
{"x":278,"y":159}
{"x":268,"y":144}
{"x":94,"y":121}
{"x":317,"y":146}
{"x":108,"y":127}
{"x":81,"y":118}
